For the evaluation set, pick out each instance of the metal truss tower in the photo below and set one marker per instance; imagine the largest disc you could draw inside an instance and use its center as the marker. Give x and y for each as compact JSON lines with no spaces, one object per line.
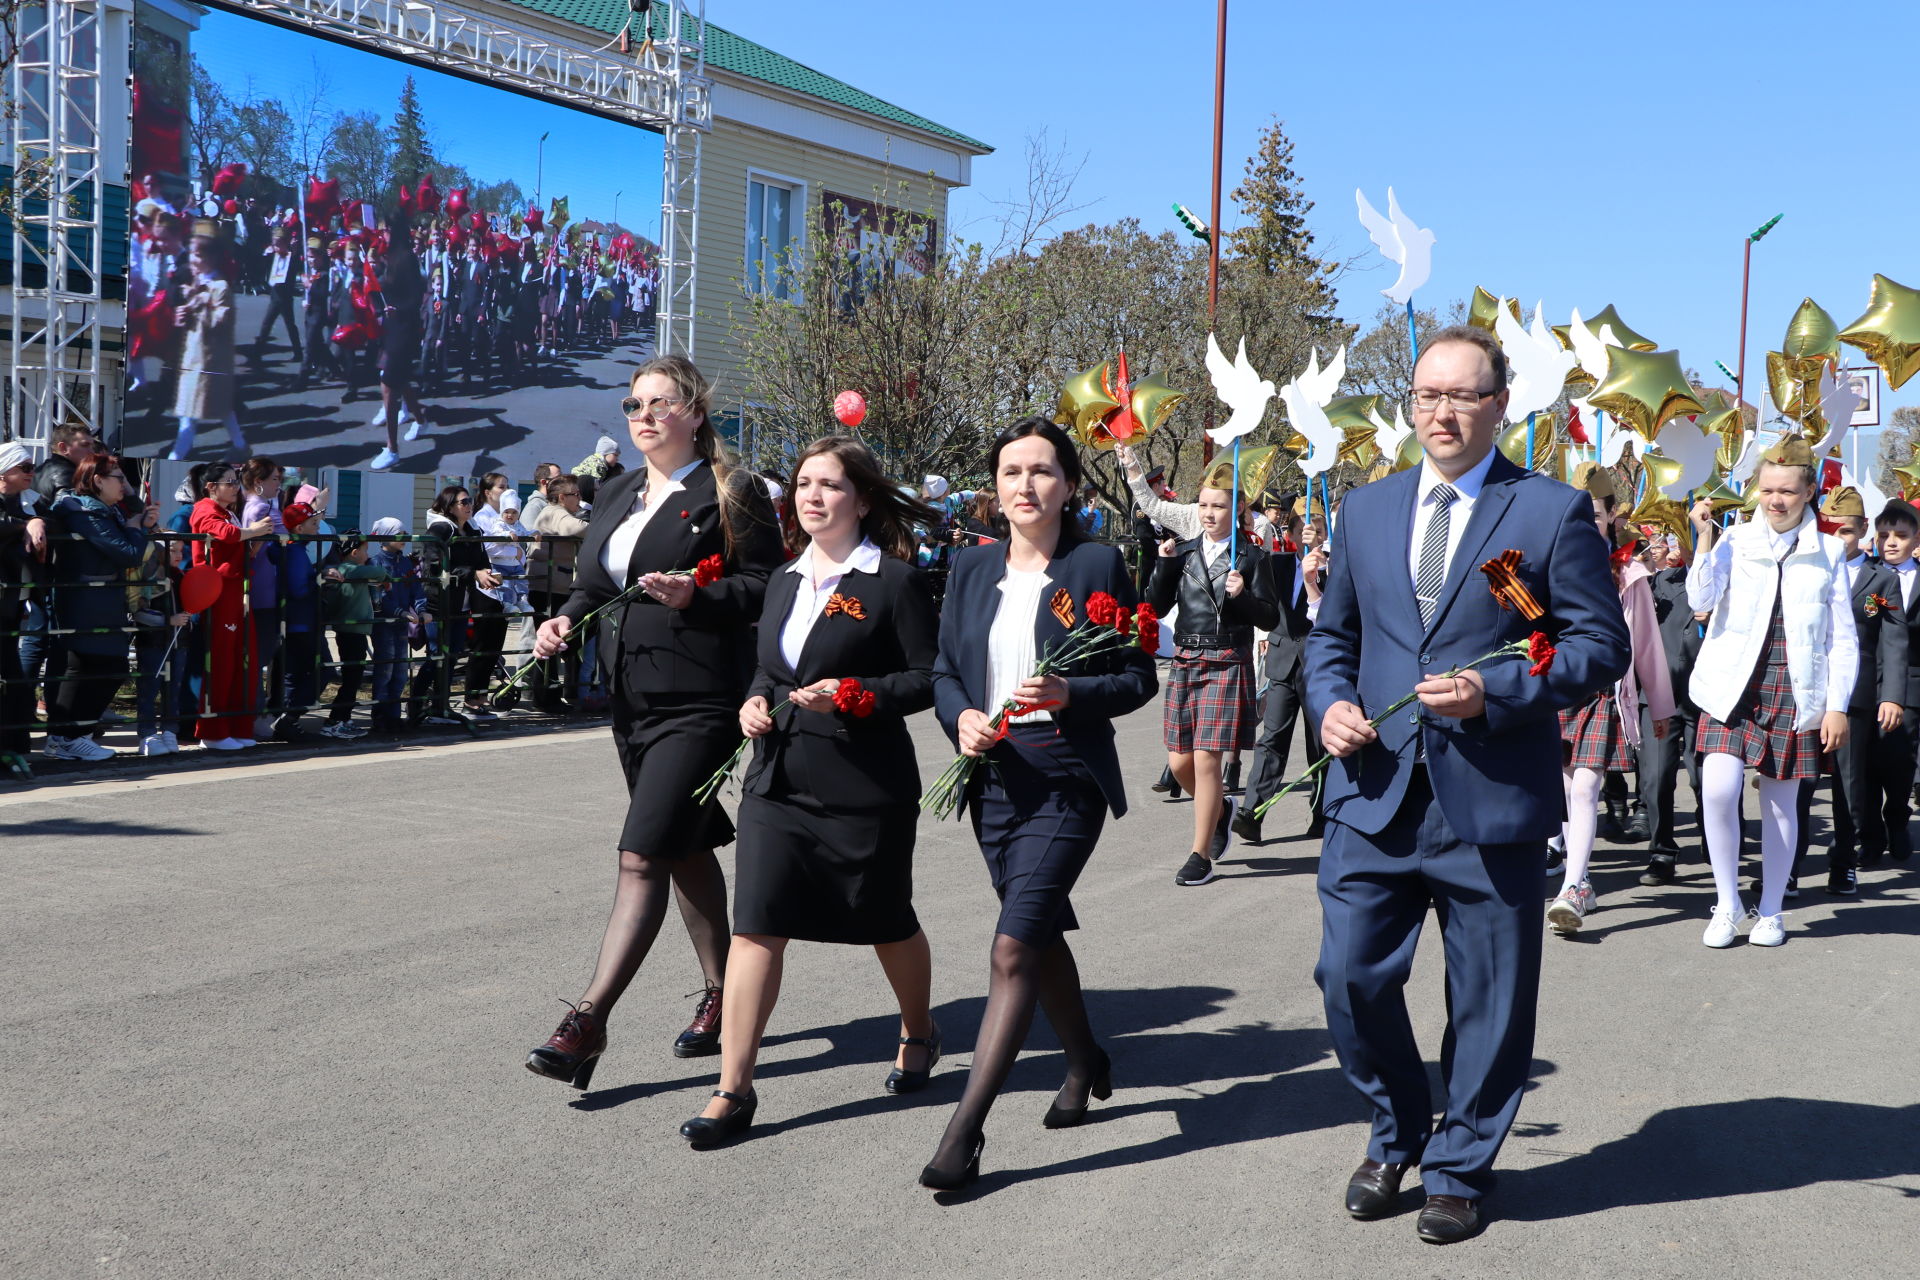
{"x":53,"y":202}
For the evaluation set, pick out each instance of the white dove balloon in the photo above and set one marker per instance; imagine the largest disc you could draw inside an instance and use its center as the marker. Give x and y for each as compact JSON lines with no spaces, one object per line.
{"x":1838,"y":400}
{"x":1685,"y":443}
{"x":1240,"y":388}
{"x":1590,"y":347}
{"x":1310,"y":420}
{"x":1399,"y":241}
{"x":1323,"y":384}
{"x":1870,"y":495}
{"x":1613,"y":436}
{"x":1538,"y":363}
{"x":1389,"y":438}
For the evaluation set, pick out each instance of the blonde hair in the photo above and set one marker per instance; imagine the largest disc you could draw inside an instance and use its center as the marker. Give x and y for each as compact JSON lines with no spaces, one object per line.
{"x":693,"y":387}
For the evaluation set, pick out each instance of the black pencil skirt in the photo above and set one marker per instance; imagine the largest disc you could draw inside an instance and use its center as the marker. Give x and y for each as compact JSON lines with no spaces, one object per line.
{"x":668,"y":747}
{"x":1037,"y":815}
{"x":809,"y":871}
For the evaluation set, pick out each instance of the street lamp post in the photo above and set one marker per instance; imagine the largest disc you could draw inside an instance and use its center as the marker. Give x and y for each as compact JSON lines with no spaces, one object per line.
{"x":616,"y":209}
{"x":1746,"y":275}
{"x":539,"y":167}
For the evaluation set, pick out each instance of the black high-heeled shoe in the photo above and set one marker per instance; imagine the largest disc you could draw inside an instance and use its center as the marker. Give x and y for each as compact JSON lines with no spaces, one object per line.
{"x":900,"y":1080}
{"x":705,"y":1131}
{"x":1059,"y":1117}
{"x":936,"y":1179}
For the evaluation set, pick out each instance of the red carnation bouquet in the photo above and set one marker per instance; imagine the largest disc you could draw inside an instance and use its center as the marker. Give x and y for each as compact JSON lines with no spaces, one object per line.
{"x":850,"y":698}
{"x":1109,"y":627}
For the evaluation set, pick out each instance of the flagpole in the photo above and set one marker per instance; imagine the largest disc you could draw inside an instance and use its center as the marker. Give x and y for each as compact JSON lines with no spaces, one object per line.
{"x":1213,"y":235}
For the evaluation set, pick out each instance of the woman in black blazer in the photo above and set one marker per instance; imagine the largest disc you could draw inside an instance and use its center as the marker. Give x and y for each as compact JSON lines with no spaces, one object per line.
{"x":1039,"y":807}
{"x":829,"y":805}
{"x":676,"y":657}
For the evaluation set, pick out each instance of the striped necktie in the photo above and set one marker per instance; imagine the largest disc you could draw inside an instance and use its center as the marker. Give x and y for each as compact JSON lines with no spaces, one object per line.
{"x":1433,"y":553}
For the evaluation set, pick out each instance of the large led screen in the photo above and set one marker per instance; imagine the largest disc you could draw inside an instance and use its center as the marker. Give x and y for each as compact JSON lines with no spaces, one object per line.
{"x":343,"y":259}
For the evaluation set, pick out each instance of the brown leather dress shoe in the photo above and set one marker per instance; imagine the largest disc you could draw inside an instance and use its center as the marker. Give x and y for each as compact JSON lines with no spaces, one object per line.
{"x":701,"y":1039}
{"x":1374,"y":1188}
{"x":1446,"y":1219}
{"x":572,"y":1051}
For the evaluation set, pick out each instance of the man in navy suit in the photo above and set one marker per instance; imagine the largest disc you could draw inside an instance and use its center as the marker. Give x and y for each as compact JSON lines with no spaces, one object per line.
{"x":1449,"y":802}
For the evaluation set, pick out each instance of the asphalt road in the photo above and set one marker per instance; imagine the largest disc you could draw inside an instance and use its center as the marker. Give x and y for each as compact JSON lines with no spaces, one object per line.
{"x":554,"y":414}
{"x":268,"y":1020}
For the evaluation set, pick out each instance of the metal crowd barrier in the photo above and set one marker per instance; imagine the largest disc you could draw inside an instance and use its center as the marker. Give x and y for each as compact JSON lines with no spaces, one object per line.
{"x":171,"y":662}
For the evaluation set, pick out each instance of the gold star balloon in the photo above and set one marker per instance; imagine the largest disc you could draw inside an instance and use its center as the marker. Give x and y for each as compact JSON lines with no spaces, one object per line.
{"x":1722,"y":419}
{"x":1084,"y":401}
{"x":1722,"y":497}
{"x":1663,"y":513}
{"x":1811,"y":335}
{"x":1644,"y":389}
{"x":1352,"y":417}
{"x":1410,"y":454}
{"x":1627,"y":337}
{"x":1793,"y":389}
{"x":1549,"y":452}
{"x":1909,"y":478}
{"x":1483,"y":308}
{"x":1889,"y":333}
{"x":1104,"y":408}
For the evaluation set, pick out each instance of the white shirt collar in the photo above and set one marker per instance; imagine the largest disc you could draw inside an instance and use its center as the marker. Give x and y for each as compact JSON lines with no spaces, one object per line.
{"x":1467,"y":486}
{"x":674,"y":482}
{"x":1859,"y":558}
{"x":865,"y":558}
{"x":1905,"y":566}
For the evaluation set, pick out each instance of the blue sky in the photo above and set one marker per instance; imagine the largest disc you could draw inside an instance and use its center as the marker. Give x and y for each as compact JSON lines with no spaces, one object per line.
{"x":1584,"y":155}
{"x":494,"y":133}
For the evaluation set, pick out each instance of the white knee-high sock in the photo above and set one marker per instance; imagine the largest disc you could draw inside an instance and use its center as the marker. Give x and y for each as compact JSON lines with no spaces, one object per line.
{"x":1779,"y":832}
{"x":1583,"y":816}
{"x":1720,"y":779}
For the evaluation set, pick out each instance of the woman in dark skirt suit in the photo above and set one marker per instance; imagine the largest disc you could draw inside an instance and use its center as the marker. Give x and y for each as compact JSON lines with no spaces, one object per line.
{"x":828,"y":809}
{"x":1039,"y":807}
{"x":676,"y":658}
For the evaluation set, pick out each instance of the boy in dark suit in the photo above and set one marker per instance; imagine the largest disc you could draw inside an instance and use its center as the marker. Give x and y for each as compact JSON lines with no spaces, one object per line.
{"x":1898,"y":527}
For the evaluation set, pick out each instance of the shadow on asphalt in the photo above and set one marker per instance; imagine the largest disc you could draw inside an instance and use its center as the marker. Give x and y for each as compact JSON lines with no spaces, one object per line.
{"x":95,"y":829}
{"x":1695,"y":1153}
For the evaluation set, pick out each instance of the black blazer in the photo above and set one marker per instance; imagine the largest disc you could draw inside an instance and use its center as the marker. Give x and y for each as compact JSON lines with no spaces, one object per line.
{"x":706,"y":648}
{"x":1099,"y":690}
{"x":1200,"y":589}
{"x":1883,"y":640}
{"x":861,"y":763}
{"x":1910,"y":614}
{"x":1286,"y":639}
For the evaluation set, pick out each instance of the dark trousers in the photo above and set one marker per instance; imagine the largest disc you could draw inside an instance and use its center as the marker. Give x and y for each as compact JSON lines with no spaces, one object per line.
{"x":352,"y":646}
{"x":280,"y":307}
{"x":1660,"y":760}
{"x":1375,"y":892}
{"x":300,"y":660}
{"x":389,"y":666}
{"x":1286,"y":703}
{"x":318,"y":359}
{"x":16,"y":691}
{"x":554,"y":679}
{"x":1893,"y":776}
{"x":86,"y":691}
{"x":489,"y":637}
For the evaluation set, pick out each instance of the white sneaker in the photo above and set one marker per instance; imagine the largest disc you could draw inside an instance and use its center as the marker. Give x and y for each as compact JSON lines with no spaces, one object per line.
{"x":379,"y":422}
{"x":1769,"y":931}
{"x":82,"y":748}
{"x":1569,"y":911}
{"x":223,"y":744}
{"x":156,"y":744}
{"x":1723,"y":928}
{"x":173,"y":743}
{"x":413,"y":427}
{"x":182,"y":445}
{"x":385,"y":460}
{"x":342,"y":731}
{"x":243,"y":743}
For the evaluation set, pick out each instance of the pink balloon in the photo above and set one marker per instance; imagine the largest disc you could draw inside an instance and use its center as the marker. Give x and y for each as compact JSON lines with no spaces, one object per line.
{"x":851,"y":408}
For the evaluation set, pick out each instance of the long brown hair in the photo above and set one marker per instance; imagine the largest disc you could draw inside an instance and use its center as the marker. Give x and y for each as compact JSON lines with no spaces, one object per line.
{"x":697,"y":391}
{"x":891,"y":515}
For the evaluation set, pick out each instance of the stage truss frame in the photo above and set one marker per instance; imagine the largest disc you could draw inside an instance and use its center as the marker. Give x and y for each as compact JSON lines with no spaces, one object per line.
{"x":57,"y":373}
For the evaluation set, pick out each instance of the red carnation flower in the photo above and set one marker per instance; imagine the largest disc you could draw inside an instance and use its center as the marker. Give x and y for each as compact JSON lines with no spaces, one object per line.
{"x":1149,"y":622}
{"x":852,"y":699}
{"x":1102,"y":609}
{"x":1123,"y":622}
{"x":1540,"y":652}
{"x":708,"y":571}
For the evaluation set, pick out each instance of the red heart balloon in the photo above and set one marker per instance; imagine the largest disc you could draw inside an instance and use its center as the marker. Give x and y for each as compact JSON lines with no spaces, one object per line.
{"x":199,"y":588}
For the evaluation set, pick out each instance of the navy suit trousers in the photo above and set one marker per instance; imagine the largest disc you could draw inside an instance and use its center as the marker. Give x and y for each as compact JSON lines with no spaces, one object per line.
{"x":1375,"y":892}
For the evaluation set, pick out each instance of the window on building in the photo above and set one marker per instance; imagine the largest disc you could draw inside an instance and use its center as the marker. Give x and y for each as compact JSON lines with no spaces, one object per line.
{"x":775,"y":228}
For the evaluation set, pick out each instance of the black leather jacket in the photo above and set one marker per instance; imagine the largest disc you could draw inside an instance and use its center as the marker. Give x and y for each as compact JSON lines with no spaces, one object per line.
{"x":1205,"y":608}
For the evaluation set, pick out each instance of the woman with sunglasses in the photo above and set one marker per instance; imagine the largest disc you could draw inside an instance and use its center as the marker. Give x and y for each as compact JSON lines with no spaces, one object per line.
{"x":677,"y":657}
{"x":90,"y":574}
{"x":226,"y":709}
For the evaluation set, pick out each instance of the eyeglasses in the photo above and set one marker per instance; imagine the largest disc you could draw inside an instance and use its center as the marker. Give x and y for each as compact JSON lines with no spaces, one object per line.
{"x":1428,"y":401}
{"x":654,"y":407}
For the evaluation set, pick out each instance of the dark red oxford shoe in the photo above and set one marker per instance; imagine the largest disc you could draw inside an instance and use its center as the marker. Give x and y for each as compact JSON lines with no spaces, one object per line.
{"x":572,"y":1051}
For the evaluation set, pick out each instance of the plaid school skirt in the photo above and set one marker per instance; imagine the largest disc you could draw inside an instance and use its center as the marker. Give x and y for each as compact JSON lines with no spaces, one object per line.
{"x":1760,"y":731}
{"x":1210,"y":703}
{"x":1592,"y":735}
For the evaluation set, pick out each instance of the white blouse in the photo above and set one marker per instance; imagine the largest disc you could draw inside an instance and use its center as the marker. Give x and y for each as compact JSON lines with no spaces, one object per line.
{"x":819,"y":579}
{"x":1010,"y":652}
{"x":617,"y":555}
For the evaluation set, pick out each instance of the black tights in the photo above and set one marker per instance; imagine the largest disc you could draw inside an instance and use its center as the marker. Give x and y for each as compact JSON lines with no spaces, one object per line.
{"x":1023,"y":975}
{"x":640,"y":906}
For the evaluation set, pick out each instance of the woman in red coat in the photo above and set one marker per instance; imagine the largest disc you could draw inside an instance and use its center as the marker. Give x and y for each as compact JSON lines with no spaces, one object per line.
{"x":227,"y":709}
